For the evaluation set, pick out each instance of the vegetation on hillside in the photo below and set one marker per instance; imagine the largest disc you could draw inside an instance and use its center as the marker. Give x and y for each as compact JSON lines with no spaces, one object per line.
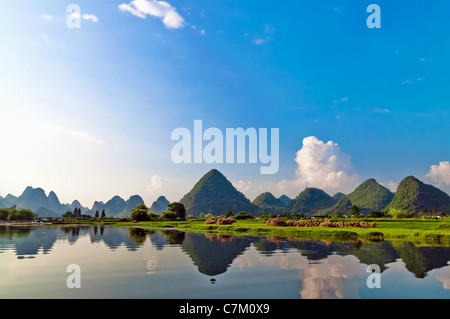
{"x":310,"y":201}
{"x":414,"y":196}
{"x":213,"y":193}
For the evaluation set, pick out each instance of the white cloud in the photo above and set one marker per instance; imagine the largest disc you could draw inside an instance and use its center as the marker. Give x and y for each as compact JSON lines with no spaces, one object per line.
{"x":325,"y":166}
{"x":261,"y":41}
{"x":160,"y":9}
{"x":47,"y":17}
{"x":91,"y":17}
{"x":321,"y":165}
{"x":440,"y":173}
{"x":155,"y":185}
{"x":391,"y":185}
{"x":268,"y":32}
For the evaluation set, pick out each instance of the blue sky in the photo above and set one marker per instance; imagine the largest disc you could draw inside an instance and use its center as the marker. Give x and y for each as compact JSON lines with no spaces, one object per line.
{"x":88,"y":112}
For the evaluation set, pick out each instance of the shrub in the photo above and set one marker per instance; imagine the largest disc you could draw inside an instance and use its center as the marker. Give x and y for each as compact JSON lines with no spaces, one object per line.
{"x":178,"y":209}
{"x":243,"y":215}
{"x":397,"y":213}
{"x":375,"y":236}
{"x":433,"y":237}
{"x":342,"y":234}
{"x":139,"y":213}
{"x":168,"y":215}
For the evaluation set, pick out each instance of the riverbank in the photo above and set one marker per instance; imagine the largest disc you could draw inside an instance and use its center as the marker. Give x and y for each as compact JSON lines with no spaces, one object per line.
{"x":420,"y":232}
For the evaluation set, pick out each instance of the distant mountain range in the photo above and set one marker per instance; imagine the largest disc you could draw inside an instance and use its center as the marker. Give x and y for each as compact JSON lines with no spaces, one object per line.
{"x":50,"y":206}
{"x":213,"y":193}
{"x":36,"y":200}
{"x":116,"y":206}
{"x":160,"y":205}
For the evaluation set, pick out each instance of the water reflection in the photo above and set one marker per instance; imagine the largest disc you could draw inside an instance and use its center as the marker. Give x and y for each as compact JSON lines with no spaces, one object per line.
{"x":213,"y":253}
{"x":327,"y":269}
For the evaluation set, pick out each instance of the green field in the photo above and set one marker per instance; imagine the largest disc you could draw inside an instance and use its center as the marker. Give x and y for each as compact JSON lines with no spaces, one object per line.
{"x":419,"y":231}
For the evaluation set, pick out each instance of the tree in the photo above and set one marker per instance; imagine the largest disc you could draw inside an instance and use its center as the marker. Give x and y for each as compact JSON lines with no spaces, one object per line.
{"x":68,"y":215}
{"x":355,"y":211}
{"x":4,"y":212}
{"x":26,"y":214}
{"x":139,"y":213}
{"x":103,"y":214}
{"x":377,"y":214}
{"x":23,"y":214}
{"x":168,"y":215}
{"x":397,"y":213}
{"x":337,"y":215}
{"x":178,"y":209}
{"x":243,"y":215}
{"x":228,"y":213}
{"x":96,"y":214}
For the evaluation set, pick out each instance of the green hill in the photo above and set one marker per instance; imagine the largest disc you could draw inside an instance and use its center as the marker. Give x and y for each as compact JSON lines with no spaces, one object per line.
{"x":214,"y":194}
{"x":267,"y":203}
{"x":370,"y":196}
{"x":338,"y":196}
{"x":310,"y":202}
{"x":160,"y":205}
{"x":413,"y":196}
{"x":343,"y":207}
{"x":286,"y":200}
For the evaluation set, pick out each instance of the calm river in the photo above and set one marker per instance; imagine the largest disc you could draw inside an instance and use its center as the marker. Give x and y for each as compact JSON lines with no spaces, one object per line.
{"x":122,"y":262}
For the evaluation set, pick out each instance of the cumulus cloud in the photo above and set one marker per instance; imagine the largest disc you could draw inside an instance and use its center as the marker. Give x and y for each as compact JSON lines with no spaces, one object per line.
{"x":319,"y":164}
{"x":160,"y":9}
{"x":325,"y":166}
{"x":440,"y":173}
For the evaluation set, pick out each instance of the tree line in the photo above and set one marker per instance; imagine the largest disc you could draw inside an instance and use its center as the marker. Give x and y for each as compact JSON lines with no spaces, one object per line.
{"x":76,"y":214}
{"x":175,"y":211}
{"x":13,"y":213}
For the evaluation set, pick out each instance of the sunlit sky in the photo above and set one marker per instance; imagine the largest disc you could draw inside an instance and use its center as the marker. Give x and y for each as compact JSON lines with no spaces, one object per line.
{"x":88,"y":112}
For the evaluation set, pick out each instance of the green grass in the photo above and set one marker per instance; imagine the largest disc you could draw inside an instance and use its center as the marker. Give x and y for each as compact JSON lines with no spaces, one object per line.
{"x":421,"y":232}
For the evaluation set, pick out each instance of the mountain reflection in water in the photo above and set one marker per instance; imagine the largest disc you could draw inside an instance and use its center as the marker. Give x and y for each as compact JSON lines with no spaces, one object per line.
{"x":214,"y":255}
